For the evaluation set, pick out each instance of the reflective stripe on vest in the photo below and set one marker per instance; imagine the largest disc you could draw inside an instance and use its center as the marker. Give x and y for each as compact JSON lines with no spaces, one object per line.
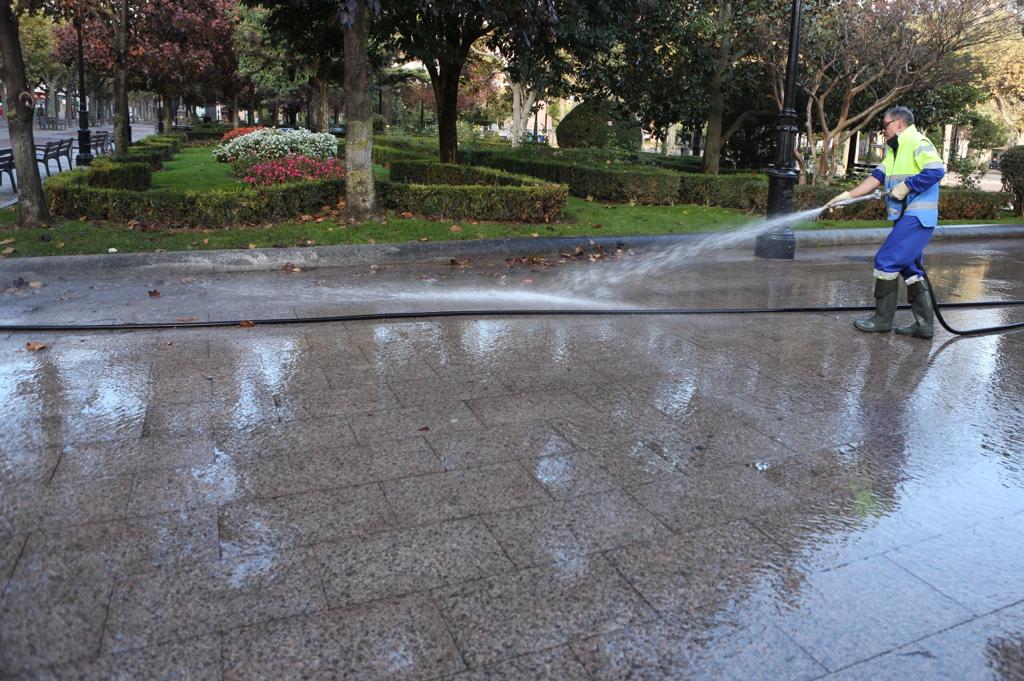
{"x":915,"y":154}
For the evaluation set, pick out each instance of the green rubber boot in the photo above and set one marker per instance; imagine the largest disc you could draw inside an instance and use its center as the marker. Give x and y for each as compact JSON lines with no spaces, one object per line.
{"x":924,"y":315}
{"x":886,"y":291}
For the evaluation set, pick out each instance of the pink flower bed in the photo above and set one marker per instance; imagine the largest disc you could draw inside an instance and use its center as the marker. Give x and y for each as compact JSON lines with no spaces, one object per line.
{"x":292,"y":168}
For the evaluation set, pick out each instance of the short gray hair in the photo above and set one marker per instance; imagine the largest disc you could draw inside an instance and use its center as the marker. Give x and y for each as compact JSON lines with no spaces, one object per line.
{"x":902,"y":113}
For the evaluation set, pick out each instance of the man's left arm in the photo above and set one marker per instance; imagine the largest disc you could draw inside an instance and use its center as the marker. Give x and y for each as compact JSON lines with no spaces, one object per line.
{"x":932,"y":169}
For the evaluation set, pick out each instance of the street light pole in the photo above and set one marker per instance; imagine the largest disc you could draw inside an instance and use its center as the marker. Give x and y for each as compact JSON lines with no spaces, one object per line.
{"x":782,"y":175}
{"x":84,"y":156}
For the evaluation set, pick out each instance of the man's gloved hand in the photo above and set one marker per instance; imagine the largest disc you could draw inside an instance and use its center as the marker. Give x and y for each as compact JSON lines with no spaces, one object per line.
{"x":900,"y":191}
{"x":845,"y":196}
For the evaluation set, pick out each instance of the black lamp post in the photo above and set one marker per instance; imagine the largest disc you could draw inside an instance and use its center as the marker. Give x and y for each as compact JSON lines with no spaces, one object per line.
{"x":782,"y":175}
{"x":84,"y":156}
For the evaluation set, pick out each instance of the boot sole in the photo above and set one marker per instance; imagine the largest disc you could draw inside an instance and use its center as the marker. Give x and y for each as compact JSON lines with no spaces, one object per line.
{"x":872,"y":330}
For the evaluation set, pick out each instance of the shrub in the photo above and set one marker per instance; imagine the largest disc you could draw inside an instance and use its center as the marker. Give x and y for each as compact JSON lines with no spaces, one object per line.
{"x":432,"y":172}
{"x":238,"y":132}
{"x":617,"y":183}
{"x":108,"y":173}
{"x":385,"y":155}
{"x":267,"y":144}
{"x":594,"y":124}
{"x":1011,"y":164}
{"x":70,"y":195}
{"x":971,"y":204}
{"x":293,"y":168}
{"x":539,"y":203}
{"x":744,"y":192}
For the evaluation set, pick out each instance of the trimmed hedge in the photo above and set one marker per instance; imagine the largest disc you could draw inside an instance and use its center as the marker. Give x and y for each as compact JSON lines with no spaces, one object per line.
{"x":70,"y":195}
{"x":107,"y":173}
{"x":386,"y":155}
{"x":542,"y":203}
{"x":432,"y":172}
{"x":618,"y":183}
{"x":207,"y":135}
{"x":750,"y":193}
{"x":467,"y":192}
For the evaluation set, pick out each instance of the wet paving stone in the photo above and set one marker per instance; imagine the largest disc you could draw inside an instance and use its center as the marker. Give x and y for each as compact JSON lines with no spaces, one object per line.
{"x":404,"y":638}
{"x":981,"y":568}
{"x":501,"y":617}
{"x":175,"y":605}
{"x":600,"y":497}
{"x":703,"y":644}
{"x":461,"y":493}
{"x":391,"y":564}
{"x":860,"y":610}
{"x":195,"y":660}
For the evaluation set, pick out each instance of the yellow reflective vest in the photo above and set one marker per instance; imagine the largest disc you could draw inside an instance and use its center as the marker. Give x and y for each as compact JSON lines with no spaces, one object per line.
{"x":915,"y":153}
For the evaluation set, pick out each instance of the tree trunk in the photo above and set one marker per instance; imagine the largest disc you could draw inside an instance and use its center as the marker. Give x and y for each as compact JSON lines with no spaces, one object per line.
{"x":713,"y":136}
{"x":522,"y":103}
{"x":446,"y":94}
{"x":360,"y":195}
{"x":234,"y":111}
{"x":168,"y":115}
{"x":18,"y":108}
{"x":122,"y":136}
{"x":323,"y":111}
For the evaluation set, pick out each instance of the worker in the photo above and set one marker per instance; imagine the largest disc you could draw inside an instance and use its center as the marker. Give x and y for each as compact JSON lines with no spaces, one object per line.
{"x":910,"y":173}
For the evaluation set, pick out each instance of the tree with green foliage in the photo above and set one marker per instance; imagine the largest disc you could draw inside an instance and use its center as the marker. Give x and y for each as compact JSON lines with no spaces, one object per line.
{"x":308,"y":32}
{"x":596,"y":124}
{"x":442,"y":34}
{"x":858,"y":59}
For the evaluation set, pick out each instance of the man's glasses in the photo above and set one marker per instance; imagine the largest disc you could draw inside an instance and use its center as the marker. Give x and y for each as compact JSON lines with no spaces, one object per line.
{"x":886,"y":124}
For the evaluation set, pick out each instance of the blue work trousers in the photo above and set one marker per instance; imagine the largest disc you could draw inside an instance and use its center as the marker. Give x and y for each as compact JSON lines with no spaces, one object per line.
{"x":904,"y":245}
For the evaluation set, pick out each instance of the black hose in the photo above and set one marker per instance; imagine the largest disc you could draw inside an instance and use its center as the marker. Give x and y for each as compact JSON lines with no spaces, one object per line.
{"x":968,"y":332}
{"x":384,"y":316}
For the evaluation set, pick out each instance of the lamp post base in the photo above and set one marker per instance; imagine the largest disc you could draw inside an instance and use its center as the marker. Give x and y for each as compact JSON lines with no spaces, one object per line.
{"x":776,"y":245}
{"x":84,"y":156}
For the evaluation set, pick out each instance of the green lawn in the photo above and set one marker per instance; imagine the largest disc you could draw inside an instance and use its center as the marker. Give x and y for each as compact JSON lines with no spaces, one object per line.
{"x":195,"y":168}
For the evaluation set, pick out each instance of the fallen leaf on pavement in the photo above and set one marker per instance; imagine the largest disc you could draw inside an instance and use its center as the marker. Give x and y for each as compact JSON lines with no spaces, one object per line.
{"x":188,"y":280}
{"x":247,"y":324}
{"x":187,"y":319}
{"x":36,"y":284}
{"x":154,"y":293}
{"x":422,"y":430}
{"x":459,"y":262}
{"x":291,"y":267}
{"x":32,"y":346}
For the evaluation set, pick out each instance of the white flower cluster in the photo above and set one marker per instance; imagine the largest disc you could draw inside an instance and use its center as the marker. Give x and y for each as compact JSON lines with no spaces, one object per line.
{"x":269,"y":143}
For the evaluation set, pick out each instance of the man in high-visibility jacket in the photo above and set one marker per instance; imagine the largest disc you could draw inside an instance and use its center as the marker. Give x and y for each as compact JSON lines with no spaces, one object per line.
{"x":910,"y":173}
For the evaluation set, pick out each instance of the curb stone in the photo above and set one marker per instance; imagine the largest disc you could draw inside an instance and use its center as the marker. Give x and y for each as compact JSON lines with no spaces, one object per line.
{"x":269,"y":259}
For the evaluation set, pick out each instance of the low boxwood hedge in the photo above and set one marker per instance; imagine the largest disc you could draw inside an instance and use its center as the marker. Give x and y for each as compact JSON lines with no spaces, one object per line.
{"x":432,"y":172}
{"x":386,"y":155}
{"x":615,"y":183}
{"x":108,"y":173}
{"x":750,"y":193}
{"x":539,"y":203}
{"x":76,"y":194}
{"x":467,"y":192}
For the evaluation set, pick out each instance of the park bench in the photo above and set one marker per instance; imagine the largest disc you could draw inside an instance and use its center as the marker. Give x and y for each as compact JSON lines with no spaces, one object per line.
{"x":7,"y":166}
{"x":45,"y":153}
{"x":181,"y":128}
{"x":100,"y":143}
